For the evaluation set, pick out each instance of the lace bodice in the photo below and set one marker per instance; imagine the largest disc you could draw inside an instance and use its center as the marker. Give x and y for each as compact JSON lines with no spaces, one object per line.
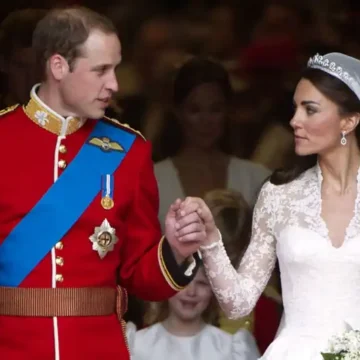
{"x":287,"y":225}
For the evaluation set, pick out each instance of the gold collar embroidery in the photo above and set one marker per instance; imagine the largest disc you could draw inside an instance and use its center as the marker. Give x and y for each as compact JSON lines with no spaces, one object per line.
{"x":48,"y":119}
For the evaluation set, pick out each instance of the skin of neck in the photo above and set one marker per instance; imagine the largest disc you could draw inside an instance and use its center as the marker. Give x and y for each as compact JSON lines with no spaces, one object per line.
{"x":49,"y":94}
{"x":197,"y":153}
{"x":340,"y":167}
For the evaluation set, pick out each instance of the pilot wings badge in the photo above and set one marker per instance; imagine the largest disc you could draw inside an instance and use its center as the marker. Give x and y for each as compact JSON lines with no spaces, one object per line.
{"x":106,"y":144}
{"x":103,"y":239}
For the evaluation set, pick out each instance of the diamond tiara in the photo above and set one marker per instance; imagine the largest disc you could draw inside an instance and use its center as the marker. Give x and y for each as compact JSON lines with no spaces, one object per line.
{"x":319,"y":62}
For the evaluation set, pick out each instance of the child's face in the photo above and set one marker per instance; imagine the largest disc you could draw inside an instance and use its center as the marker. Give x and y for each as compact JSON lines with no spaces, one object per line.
{"x":190,"y":303}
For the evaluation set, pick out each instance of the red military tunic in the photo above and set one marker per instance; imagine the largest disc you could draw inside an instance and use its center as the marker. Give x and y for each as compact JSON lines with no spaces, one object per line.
{"x":36,"y":146}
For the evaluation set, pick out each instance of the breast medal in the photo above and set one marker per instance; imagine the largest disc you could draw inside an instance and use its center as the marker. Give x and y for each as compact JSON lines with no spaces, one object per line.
{"x":103,"y":239}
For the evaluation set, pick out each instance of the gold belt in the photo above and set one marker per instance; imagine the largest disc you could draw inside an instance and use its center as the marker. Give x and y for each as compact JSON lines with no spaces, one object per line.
{"x":49,"y":302}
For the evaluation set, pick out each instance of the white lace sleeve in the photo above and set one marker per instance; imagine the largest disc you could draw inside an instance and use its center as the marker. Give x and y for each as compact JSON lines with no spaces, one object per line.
{"x":238,"y":291}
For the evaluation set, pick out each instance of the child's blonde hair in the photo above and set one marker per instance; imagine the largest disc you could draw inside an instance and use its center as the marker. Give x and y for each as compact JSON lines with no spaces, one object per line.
{"x":159,"y":311}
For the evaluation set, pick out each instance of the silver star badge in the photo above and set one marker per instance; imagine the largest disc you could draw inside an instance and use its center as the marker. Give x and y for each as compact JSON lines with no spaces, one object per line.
{"x":103,"y":239}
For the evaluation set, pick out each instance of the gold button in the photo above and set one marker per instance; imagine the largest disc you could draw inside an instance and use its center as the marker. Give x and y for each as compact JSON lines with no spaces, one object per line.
{"x":62,"y":164}
{"x":59,"y":246}
{"x":247,"y":323}
{"x":59,"y":278}
{"x":62,"y":149}
{"x":59,"y":261}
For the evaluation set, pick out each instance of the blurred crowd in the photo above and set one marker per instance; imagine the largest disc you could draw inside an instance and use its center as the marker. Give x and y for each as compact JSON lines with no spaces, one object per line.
{"x":262,"y":44}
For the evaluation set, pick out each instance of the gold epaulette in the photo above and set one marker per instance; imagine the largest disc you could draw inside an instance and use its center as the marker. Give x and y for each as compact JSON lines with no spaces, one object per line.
{"x":126,"y":126}
{"x":8,"y":109}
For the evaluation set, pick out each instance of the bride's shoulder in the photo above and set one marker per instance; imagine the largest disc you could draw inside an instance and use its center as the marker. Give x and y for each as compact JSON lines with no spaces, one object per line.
{"x":305,"y":180}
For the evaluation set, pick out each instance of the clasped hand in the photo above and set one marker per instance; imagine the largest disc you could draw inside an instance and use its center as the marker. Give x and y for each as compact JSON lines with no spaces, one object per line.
{"x":188,"y":225}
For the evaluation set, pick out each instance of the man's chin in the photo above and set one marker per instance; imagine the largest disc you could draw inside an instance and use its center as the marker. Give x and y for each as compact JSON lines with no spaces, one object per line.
{"x":96,"y":114}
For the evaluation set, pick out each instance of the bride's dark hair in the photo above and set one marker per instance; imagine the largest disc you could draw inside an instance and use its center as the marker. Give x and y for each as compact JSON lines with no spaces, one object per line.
{"x":348,"y":104}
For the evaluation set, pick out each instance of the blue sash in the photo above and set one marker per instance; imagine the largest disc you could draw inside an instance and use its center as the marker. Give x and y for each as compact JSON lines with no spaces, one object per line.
{"x":63,"y":204}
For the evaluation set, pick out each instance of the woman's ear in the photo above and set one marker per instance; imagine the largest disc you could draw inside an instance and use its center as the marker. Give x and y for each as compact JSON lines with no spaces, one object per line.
{"x":350,"y":123}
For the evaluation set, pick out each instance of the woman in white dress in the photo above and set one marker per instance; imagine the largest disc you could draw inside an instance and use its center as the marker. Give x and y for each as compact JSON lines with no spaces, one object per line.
{"x":196,"y":141}
{"x":308,"y":218}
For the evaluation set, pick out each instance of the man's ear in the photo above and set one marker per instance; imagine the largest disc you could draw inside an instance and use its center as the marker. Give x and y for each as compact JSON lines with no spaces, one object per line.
{"x":58,"y":66}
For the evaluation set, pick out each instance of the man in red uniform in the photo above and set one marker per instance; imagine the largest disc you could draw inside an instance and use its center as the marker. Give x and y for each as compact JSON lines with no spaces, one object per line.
{"x":79,"y":205}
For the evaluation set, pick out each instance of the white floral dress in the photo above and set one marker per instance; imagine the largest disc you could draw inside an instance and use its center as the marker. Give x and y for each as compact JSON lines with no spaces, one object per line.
{"x":320,"y":283}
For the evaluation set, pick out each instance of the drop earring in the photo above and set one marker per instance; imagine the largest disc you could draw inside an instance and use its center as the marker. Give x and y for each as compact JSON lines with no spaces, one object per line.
{"x":343,"y":140}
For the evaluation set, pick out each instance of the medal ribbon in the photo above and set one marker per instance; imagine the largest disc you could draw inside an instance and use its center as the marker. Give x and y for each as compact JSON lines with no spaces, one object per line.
{"x":107,"y":186}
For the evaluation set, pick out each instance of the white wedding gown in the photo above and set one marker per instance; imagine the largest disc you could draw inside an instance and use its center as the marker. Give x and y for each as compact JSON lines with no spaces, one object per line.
{"x":320,"y":283}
